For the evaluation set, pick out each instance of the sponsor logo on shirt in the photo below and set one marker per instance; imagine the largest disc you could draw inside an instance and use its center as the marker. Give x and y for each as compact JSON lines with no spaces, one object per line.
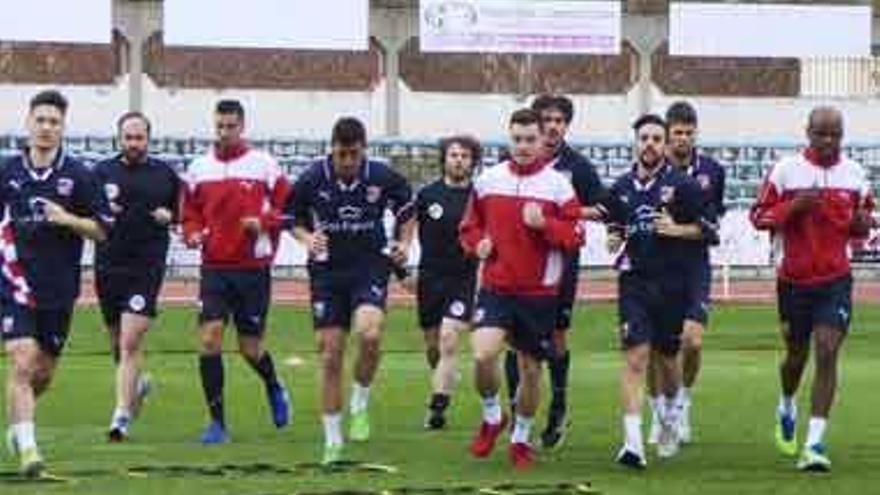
{"x":435,"y":211}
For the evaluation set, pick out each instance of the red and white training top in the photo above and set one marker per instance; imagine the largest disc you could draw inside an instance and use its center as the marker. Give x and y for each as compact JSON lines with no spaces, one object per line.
{"x":814,"y":243}
{"x":524,"y":261}
{"x":222,"y":189}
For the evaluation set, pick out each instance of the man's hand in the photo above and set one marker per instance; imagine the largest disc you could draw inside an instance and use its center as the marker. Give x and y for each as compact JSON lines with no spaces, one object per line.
{"x":592,"y":213}
{"x":317,"y":245}
{"x":398,"y":253}
{"x":251,"y":225}
{"x":665,"y":226}
{"x":56,"y":214}
{"x":194,"y":240}
{"x":805,"y":200}
{"x":162,"y":216}
{"x":533,"y":216}
{"x":484,"y":248}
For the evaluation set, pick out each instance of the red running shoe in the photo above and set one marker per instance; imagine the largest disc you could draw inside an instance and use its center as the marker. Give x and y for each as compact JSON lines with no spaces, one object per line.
{"x":484,"y":441}
{"x":521,"y":456}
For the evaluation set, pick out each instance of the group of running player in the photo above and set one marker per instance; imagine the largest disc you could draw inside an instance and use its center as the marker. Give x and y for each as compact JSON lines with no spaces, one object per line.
{"x":499,"y":255}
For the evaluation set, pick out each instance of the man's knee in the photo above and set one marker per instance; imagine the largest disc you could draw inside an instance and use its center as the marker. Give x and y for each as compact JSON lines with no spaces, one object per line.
{"x":211,"y":337}
{"x":368,"y":322}
{"x":637,"y":358}
{"x":560,"y":340}
{"x":330,"y":350}
{"x":692,"y":337}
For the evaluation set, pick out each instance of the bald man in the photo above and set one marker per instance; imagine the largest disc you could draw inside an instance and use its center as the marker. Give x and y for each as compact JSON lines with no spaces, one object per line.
{"x":813,"y":204}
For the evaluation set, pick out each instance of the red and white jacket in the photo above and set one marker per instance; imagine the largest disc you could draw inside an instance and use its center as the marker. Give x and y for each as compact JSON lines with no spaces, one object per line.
{"x":524,"y":261}
{"x":224,"y":188}
{"x":814,"y":243}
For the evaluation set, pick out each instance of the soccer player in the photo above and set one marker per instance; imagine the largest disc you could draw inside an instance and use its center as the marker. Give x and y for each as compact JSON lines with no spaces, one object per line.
{"x":51,"y":202}
{"x":681,"y":153}
{"x":232,"y":211}
{"x":143,"y":193}
{"x":446,"y":278}
{"x":522,"y":218}
{"x":556,"y":114}
{"x":813,"y":203}
{"x":338,"y":206}
{"x":654,"y":210}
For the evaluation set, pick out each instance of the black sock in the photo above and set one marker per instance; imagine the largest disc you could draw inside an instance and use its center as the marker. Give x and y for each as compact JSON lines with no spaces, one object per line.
{"x":439,"y":402}
{"x":558,"y":367}
{"x":211,"y":368}
{"x":266,"y":369}
{"x":511,"y":372}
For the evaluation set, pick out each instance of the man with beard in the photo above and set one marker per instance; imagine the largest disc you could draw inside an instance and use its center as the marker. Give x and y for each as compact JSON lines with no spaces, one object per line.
{"x":446,"y":278}
{"x":556,"y":113}
{"x":653,"y":209}
{"x":129,"y":268}
{"x":813,"y":203}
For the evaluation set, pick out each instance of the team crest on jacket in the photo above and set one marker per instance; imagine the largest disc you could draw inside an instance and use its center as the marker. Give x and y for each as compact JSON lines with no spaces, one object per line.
{"x":112,"y":191}
{"x":667,"y":193}
{"x":704,"y":181}
{"x":64,"y":186}
{"x":435,"y":211}
{"x":373,"y":193}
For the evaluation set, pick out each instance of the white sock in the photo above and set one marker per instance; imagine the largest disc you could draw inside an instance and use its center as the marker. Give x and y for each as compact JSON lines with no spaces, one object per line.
{"x":491,"y":410}
{"x":24,"y":435}
{"x":632,"y":427}
{"x":684,"y":396}
{"x":655,"y":402}
{"x":521,"y":429}
{"x":815,"y":431}
{"x":671,"y":410}
{"x":787,"y":406}
{"x":332,"y":428}
{"x":360,"y":397}
{"x":121,"y":418}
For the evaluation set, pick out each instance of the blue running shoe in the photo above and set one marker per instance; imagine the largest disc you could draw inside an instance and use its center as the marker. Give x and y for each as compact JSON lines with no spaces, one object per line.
{"x":214,"y":433}
{"x":279,"y":402}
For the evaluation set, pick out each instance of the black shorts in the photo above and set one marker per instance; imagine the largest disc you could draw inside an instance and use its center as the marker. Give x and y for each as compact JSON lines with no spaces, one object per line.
{"x":698,"y":281}
{"x":243,"y":294}
{"x":804,"y":307}
{"x":567,"y":292}
{"x":336,"y":294}
{"x":48,"y":327}
{"x":127,"y":289}
{"x":528,"y":320}
{"x":651,"y":311}
{"x":442,"y":295}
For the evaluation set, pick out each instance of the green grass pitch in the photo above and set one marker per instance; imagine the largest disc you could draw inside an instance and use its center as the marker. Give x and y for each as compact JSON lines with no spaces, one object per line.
{"x":733,"y":417}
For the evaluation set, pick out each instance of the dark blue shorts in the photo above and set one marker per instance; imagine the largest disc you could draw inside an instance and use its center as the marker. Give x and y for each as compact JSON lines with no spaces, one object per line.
{"x":698,"y":280}
{"x":528,"y":320}
{"x":128,"y":289}
{"x":336,"y":294}
{"x":445,"y":295}
{"x":804,"y":307}
{"x":651,"y":311}
{"x":243,"y":294}
{"x":48,"y":327}
{"x":567,"y":292}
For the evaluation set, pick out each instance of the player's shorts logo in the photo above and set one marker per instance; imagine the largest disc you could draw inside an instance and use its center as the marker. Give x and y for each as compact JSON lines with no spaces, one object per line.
{"x":137,"y":302}
{"x":435,"y":211}
{"x":64,"y":186}
{"x":456,"y":309}
{"x":624,"y":330}
{"x":112,"y":191}
{"x":8,"y":324}
{"x":319,"y":308}
{"x":479,"y":315}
